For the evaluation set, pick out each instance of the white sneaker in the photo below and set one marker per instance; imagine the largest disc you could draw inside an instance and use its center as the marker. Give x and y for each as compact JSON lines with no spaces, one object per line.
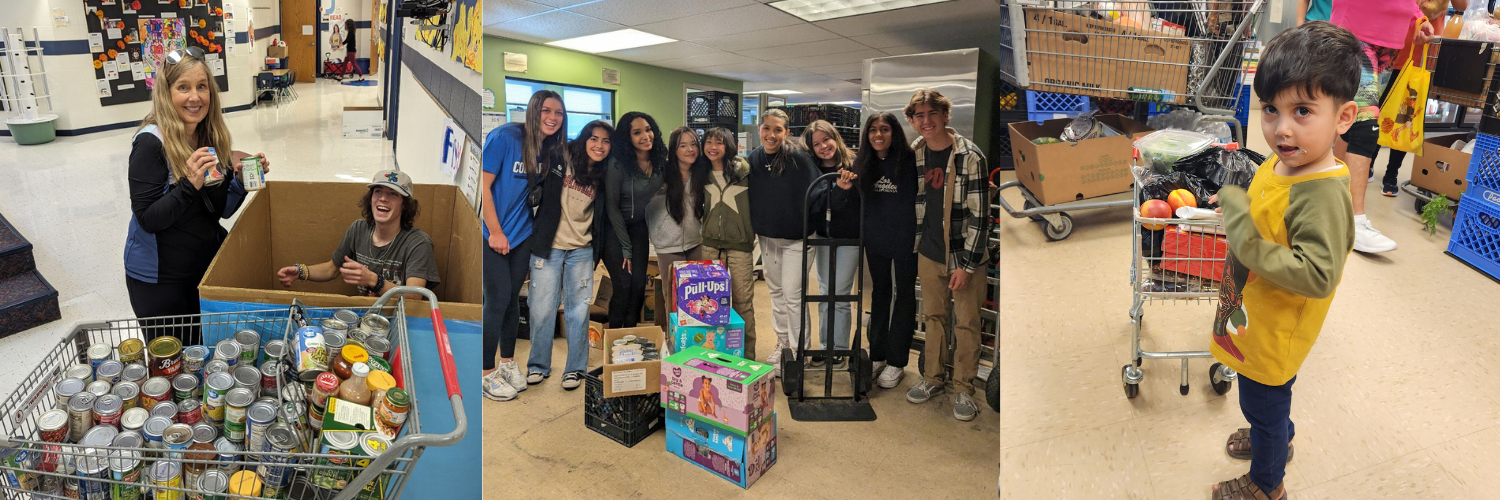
{"x":496,"y":388}
{"x":513,"y":375}
{"x":774,"y":359}
{"x":1367,"y":239}
{"x":876,"y":367}
{"x":890,"y":377}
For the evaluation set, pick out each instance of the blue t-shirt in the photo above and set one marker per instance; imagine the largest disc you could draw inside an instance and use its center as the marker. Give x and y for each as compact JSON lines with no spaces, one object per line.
{"x":1319,"y":10}
{"x":502,"y":157}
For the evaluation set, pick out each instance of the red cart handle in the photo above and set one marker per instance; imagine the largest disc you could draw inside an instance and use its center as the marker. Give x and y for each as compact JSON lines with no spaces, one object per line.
{"x":440,"y":332}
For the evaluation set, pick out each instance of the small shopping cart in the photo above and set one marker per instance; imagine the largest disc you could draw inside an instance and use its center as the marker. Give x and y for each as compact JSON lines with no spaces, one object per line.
{"x":1173,"y":260}
{"x":376,"y":478}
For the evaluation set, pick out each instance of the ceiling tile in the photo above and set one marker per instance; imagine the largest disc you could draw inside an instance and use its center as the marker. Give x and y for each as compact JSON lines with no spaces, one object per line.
{"x":499,"y":11}
{"x":661,"y":52}
{"x":812,"y":62}
{"x":838,"y":68}
{"x":937,"y":16}
{"x":553,"y":26}
{"x":697,"y":62}
{"x":798,"y":33}
{"x":638,"y":12}
{"x":558,"y":3}
{"x":834,"y":46}
{"x":852,"y":75}
{"x":963,"y":32}
{"x":724,"y":22}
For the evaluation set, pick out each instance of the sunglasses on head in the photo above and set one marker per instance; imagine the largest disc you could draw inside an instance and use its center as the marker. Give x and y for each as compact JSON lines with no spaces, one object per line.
{"x":178,"y":55}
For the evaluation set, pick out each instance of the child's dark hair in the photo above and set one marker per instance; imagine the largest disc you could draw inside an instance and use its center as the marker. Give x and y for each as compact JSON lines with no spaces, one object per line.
{"x":1317,"y":57}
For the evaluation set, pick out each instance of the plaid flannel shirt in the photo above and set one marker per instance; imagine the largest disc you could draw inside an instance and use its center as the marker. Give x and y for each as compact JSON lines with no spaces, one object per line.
{"x":968,"y":239}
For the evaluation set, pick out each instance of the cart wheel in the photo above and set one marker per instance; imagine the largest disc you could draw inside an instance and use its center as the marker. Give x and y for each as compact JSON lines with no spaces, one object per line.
{"x":791,"y":373}
{"x":1221,"y":385}
{"x":992,"y":388}
{"x":863,"y":364}
{"x":1419,"y":205}
{"x":1028,"y":206}
{"x":1131,"y":390}
{"x":1059,"y":234}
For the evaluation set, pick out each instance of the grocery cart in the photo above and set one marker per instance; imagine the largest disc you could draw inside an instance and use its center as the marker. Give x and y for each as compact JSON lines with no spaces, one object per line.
{"x":1178,"y":53}
{"x":45,"y":469}
{"x":1190,"y":273}
{"x":988,"y":373}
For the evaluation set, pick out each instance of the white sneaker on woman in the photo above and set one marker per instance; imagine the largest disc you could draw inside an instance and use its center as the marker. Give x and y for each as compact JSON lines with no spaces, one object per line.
{"x":774,"y":359}
{"x":1367,"y":239}
{"x":513,"y":375}
{"x":496,"y":388}
{"x":890,"y":377}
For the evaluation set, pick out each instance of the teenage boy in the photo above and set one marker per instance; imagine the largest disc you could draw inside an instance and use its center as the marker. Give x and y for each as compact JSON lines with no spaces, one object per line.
{"x":381,"y":250}
{"x":1289,"y":237}
{"x":952,"y":243}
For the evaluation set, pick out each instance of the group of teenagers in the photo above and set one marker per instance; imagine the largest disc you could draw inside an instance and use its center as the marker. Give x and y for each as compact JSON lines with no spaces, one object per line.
{"x":554,"y":208}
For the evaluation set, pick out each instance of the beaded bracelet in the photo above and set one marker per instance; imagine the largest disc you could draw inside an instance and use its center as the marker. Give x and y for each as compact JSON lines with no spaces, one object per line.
{"x":302,"y":272}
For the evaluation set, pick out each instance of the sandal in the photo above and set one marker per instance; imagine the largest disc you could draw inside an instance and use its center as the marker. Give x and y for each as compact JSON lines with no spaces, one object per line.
{"x":1238,"y":446}
{"x":1242,"y":488}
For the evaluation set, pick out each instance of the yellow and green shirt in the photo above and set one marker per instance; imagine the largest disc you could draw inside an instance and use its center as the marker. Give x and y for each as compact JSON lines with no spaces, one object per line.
{"x":1288,"y":240}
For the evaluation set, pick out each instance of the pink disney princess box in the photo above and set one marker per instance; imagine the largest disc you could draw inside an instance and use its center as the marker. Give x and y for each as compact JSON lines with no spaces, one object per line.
{"x":727,"y":391}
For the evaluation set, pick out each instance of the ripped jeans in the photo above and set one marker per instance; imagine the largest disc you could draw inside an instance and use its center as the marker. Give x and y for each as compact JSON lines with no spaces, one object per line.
{"x":565,"y":276}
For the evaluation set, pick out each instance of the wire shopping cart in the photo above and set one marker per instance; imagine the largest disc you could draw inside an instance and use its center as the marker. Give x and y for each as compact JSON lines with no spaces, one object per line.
{"x":34,"y":468}
{"x":1173,"y":260}
{"x":1177,"y":53}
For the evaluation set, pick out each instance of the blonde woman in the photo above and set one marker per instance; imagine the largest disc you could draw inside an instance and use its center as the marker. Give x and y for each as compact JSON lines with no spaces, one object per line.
{"x":184,"y":177}
{"x":726,"y":233}
{"x":832,"y":156}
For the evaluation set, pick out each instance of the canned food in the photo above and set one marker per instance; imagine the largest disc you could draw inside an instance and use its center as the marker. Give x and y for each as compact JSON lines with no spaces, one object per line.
{"x":82,"y":371}
{"x":109,"y":371}
{"x":378,"y":347}
{"x":98,"y":353}
{"x":347,"y":316}
{"x":228,"y":351}
{"x":193,"y":358}
{"x":217,"y":386}
{"x":334,"y":342}
{"x":215,"y":366}
{"x":177,"y":437}
{"x":166,"y":356}
{"x":155,"y":390}
{"x":125,"y":466}
{"x":134,"y":373}
{"x":294,"y":392}
{"x":237,"y":403}
{"x":295,"y":413}
{"x":204,"y":433}
{"x":229,"y":455}
{"x":65,"y":389}
{"x":99,"y":436}
{"x":214,"y":484}
{"x":93,"y":468}
{"x":80,"y":414}
{"x":280,"y":438}
{"x":377,"y":325}
{"x":258,"y":418}
{"x":153,"y":430}
{"x":133,"y":419}
{"x":107,"y":410}
{"x":270,"y":372}
{"x":372,"y":445}
{"x":311,"y":355}
{"x":53,"y":426}
{"x":315,"y":417}
{"x":390,"y":412}
{"x":51,"y":460}
{"x":379,"y":364}
{"x":129,"y":393}
{"x":166,"y":474}
{"x":197,"y":459}
{"x":245,"y":483}
{"x":275,"y":349}
{"x":358,"y":336}
{"x":184,"y":387}
{"x":165,"y":409}
{"x":249,"y":341}
{"x":339,"y":448}
{"x":132,"y":351}
{"x":128,"y":439}
{"x":335,"y":325}
{"x":190,"y":412}
{"x":247,"y":376}
{"x":98,"y":387}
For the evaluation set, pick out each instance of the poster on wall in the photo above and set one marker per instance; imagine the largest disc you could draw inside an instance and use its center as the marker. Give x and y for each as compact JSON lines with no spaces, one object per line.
{"x":468,"y":35}
{"x":129,"y":39}
{"x":453,"y":142}
{"x":471,"y":168}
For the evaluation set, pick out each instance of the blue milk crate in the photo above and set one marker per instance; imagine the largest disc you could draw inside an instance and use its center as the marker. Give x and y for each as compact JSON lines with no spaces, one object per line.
{"x":1476,"y":230}
{"x":1052,"y":102}
{"x":1242,"y":109}
{"x":1484,"y":164}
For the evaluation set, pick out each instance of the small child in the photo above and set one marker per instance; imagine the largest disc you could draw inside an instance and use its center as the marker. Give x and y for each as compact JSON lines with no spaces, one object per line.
{"x":1288,"y":240}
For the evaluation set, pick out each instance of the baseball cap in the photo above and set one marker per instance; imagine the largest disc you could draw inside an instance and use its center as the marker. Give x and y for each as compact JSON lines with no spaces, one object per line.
{"x":394,"y":179}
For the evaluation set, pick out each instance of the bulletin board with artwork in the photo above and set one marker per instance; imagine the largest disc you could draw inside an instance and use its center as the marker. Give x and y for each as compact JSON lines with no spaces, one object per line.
{"x":129,"y":38}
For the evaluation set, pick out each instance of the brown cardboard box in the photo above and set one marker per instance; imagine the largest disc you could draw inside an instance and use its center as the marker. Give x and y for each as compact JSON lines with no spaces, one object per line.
{"x":275,"y":51}
{"x":1063,"y":172}
{"x":596,"y":335}
{"x":1440,"y":169}
{"x":629,"y":379}
{"x":302,"y":222}
{"x":1091,"y":53}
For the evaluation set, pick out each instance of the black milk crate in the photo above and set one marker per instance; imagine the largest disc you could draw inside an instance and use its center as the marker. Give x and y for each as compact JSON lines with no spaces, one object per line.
{"x":626,"y":419}
{"x":712,"y":105}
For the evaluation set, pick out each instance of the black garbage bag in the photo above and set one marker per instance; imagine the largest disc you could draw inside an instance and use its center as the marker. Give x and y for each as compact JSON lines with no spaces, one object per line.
{"x":1217,"y":167}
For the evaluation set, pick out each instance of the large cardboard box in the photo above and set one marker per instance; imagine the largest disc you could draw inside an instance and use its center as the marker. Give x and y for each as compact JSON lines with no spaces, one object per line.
{"x":700,"y":293}
{"x":629,"y":379}
{"x":1063,"y":172}
{"x":302,"y":222}
{"x":728,"y":339}
{"x":739,"y":459}
{"x":1095,"y":54}
{"x":725,"y":390}
{"x":1441,"y":169}
{"x":364,"y":122}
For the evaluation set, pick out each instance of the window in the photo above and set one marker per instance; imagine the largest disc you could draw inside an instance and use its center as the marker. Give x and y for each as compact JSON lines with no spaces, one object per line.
{"x":583,"y":104}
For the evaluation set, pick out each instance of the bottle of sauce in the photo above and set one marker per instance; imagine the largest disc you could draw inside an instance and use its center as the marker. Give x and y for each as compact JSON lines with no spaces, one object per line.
{"x":325,"y":386}
{"x":356,"y":390}
{"x":379,"y":382}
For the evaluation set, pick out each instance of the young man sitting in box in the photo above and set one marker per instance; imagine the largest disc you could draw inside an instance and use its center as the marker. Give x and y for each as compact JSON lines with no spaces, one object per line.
{"x":380,"y":251}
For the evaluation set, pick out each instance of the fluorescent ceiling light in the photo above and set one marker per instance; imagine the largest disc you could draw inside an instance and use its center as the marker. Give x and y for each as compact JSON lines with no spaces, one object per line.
{"x":783,"y":92}
{"x":820,"y":10}
{"x":612,"y":41}
{"x":845,"y":103}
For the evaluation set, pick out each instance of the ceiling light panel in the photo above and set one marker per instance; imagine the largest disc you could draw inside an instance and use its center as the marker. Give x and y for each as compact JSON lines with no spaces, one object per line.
{"x":611,"y":41}
{"x":822,"y":10}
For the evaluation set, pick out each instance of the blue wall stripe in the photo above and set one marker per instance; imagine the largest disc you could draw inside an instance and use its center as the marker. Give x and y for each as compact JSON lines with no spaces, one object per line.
{"x":60,"y":47}
{"x":267,"y":31}
{"x":5,"y":132}
{"x":359,"y":25}
{"x":459,"y":100}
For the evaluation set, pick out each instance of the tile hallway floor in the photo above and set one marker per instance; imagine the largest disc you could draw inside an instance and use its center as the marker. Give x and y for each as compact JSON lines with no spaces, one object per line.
{"x":1397,"y":399}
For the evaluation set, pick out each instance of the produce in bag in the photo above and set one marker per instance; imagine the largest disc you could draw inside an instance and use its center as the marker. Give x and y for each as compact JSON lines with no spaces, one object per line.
{"x":1160,"y":149}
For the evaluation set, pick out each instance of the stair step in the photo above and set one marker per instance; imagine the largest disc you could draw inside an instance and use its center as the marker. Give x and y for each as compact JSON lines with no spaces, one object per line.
{"x":26,"y":301}
{"x":15,"y":251}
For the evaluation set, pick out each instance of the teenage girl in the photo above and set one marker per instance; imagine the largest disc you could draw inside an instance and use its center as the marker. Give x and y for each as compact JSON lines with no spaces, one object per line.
{"x":832,"y":156}
{"x":727,"y":235}
{"x":675,"y":216}
{"x":634,"y":176}
{"x":887,"y":170}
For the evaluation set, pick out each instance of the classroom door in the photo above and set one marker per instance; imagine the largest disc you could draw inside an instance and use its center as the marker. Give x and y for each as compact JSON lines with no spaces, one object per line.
{"x":299,"y":28}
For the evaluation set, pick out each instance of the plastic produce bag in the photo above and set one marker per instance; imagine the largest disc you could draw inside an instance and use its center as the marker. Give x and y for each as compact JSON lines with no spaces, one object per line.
{"x":1084,"y":126}
{"x":1160,"y":149}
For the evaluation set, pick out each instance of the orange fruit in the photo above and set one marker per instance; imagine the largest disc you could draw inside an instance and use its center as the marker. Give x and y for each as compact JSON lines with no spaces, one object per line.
{"x":1181,"y":198}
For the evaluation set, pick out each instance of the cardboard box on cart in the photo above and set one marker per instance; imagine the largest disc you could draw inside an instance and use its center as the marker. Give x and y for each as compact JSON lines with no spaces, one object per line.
{"x":1440,"y":168}
{"x":302,"y":222}
{"x":1063,"y":172}
{"x":1119,"y":57}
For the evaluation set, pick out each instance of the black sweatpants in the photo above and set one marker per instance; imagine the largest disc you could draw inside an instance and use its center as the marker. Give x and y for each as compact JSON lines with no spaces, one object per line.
{"x":629,"y":287}
{"x":892,"y":324}
{"x":503,"y":277}
{"x":166,"y":304}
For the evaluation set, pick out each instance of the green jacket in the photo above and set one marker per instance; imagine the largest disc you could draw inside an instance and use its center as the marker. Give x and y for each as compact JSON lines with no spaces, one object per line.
{"x":728,"y":222}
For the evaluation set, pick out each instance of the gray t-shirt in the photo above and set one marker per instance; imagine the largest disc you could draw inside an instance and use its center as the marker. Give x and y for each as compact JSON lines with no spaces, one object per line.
{"x":932,"y":245}
{"x":410,"y":255}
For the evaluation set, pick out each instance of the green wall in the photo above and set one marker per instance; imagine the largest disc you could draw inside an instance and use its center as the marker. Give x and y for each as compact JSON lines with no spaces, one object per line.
{"x":654,"y":90}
